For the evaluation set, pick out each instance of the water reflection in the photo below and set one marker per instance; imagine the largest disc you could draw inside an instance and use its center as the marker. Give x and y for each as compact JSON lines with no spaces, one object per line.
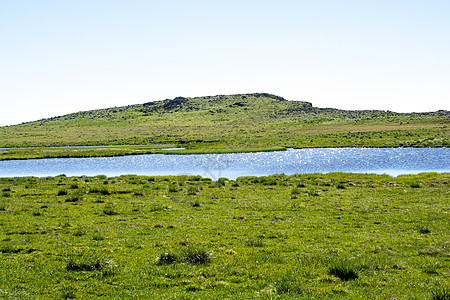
{"x":391,"y":161}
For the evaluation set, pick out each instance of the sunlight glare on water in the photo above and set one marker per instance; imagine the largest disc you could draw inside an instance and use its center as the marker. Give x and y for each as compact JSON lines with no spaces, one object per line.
{"x":391,"y":161}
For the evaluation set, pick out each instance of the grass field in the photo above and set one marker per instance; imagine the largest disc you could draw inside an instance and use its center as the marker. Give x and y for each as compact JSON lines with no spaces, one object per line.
{"x":217,"y":124}
{"x":312,"y":236}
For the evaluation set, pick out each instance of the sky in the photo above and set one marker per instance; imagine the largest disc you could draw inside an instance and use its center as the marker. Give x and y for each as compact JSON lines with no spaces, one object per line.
{"x":63,"y":56}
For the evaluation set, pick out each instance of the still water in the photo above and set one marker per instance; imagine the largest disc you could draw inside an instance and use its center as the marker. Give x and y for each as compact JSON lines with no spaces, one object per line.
{"x":391,"y":161}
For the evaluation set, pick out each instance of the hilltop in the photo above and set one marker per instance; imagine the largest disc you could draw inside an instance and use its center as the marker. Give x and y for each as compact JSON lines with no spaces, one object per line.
{"x":233,"y":121}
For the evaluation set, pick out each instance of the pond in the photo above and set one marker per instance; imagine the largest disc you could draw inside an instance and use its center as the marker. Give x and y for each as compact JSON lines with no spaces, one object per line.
{"x":391,"y":161}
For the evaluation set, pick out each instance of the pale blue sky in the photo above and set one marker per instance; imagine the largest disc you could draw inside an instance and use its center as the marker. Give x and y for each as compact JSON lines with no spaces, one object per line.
{"x":62,"y":56}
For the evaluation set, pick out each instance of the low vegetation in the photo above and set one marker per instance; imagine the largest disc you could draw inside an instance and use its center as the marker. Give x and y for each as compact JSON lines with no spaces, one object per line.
{"x":311,"y":236}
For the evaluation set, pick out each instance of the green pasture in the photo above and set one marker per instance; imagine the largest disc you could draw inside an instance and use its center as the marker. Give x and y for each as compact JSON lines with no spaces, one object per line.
{"x":311,"y":236}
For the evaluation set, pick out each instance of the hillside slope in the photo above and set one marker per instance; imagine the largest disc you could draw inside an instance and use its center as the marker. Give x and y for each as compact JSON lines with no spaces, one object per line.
{"x":250,"y":120}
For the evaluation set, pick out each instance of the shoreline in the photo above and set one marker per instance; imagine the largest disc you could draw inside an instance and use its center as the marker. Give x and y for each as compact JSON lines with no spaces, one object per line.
{"x":142,"y":149}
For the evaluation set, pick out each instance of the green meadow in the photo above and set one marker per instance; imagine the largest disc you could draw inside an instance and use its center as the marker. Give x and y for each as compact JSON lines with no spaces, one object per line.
{"x":310,"y":236}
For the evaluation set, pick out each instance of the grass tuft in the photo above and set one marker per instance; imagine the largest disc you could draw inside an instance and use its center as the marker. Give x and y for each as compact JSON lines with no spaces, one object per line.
{"x":288,"y":285}
{"x":441,"y":294}
{"x":340,"y":186}
{"x":167,"y":258}
{"x":88,"y":262}
{"x":343,"y":268}
{"x":80,"y":232}
{"x":6,"y":194}
{"x":254,"y":243}
{"x":62,"y":192}
{"x":192,"y":190}
{"x":414,"y":185}
{"x":423,"y":229}
{"x":172,"y":189}
{"x":296,"y":191}
{"x":109,"y":210}
{"x":99,"y":190}
{"x":196,"y":255}
{"x":196,"y":203}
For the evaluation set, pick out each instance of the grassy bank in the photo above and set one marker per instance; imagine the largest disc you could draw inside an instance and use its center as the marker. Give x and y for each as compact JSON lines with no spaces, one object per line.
{"x":312,"y":236}
{"x":111,"y":151}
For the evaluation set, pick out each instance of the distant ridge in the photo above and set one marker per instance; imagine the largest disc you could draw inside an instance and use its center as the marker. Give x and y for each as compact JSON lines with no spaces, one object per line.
{"x":258,"y":118}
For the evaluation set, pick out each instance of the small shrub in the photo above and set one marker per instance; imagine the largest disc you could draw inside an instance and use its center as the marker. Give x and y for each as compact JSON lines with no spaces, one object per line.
{"x":196,"y":255}
{"x":343,"y":269}
{"x":300,"y":185}
{"x":73,"y":186}
{"x":167,"y":258}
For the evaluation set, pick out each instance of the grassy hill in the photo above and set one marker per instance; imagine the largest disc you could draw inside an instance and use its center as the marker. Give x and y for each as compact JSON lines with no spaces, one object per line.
{"x":232,"y":123}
